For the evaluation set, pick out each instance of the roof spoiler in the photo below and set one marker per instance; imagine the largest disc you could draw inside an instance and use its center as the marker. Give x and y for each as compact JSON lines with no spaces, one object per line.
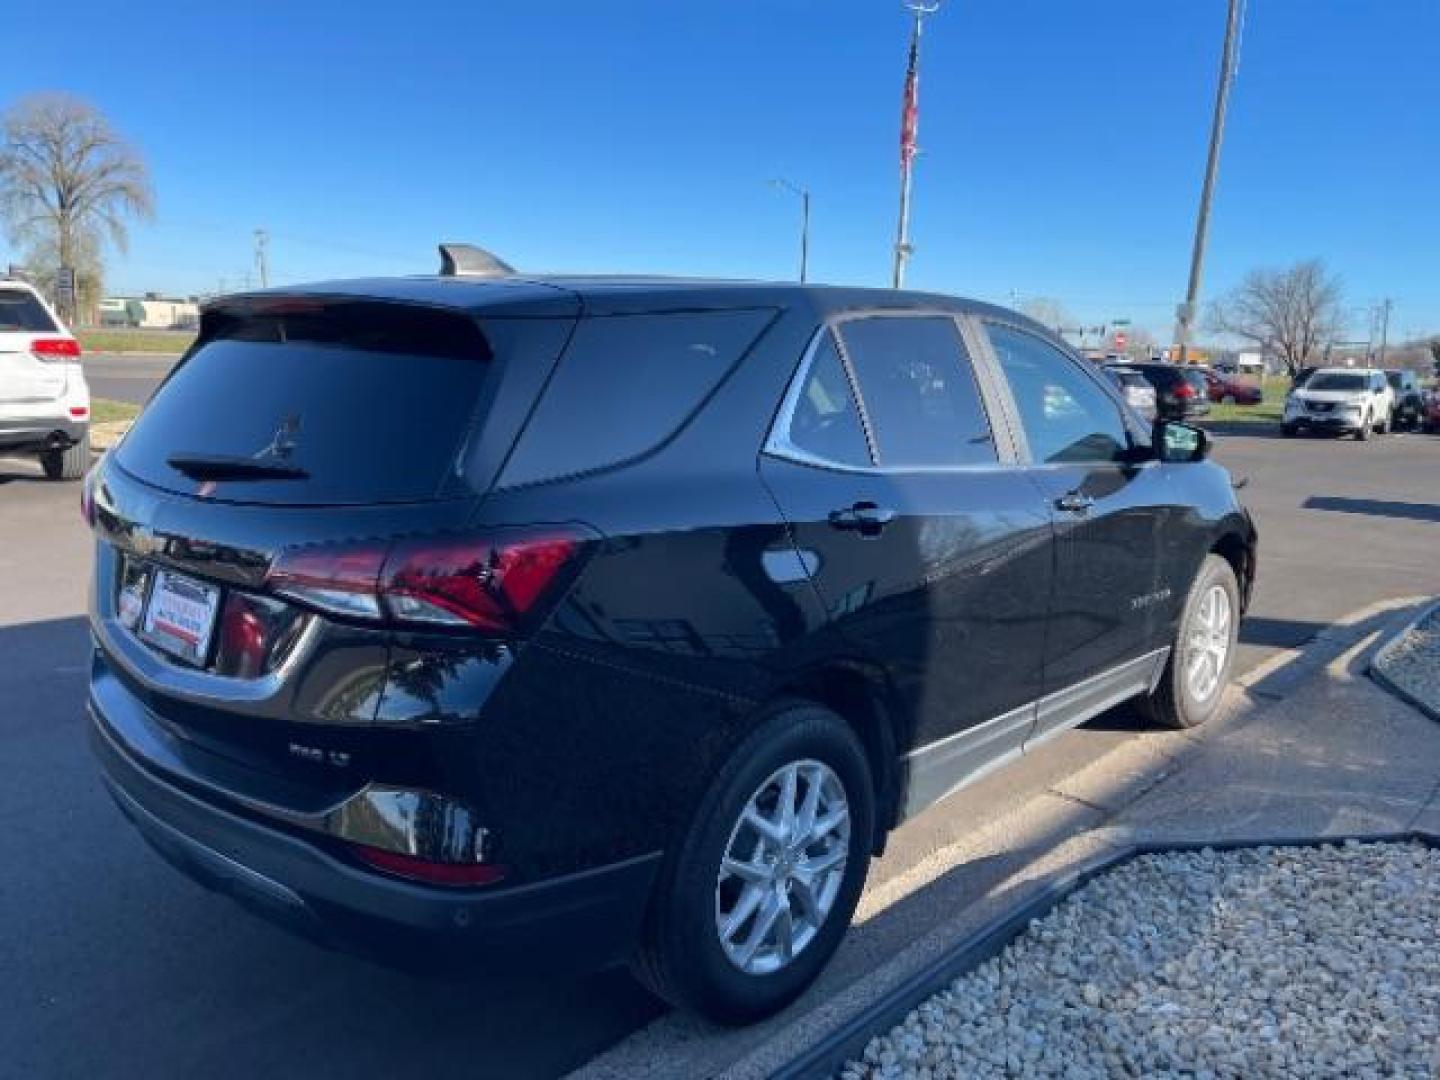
{"x":467,"y":260}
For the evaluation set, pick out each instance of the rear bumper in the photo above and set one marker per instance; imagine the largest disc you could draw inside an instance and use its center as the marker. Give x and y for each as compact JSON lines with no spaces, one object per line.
{"x":578,"y":922}
{"x":41,"y":433}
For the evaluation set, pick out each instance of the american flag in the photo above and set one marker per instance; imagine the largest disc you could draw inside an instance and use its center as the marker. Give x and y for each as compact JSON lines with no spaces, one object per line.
{"x":910,"y":109}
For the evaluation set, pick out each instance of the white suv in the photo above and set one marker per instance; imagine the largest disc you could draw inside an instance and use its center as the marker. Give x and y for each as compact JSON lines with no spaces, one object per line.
{"x":1352,"y":401}
{"x":44,"y":399}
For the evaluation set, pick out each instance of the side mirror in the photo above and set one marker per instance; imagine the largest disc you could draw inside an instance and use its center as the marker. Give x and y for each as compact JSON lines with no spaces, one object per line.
{"x":1177,"y":443}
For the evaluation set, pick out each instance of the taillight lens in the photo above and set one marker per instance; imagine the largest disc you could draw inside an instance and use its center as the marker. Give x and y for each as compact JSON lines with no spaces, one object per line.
{"x":1184,"y":390}
{"x":87,"y":498}
{"x":55,"y":348}
{"x":495,"y":584}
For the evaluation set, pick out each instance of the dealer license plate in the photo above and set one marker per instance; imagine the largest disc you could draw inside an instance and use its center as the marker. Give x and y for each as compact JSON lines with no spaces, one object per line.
{"x":180,"y":617}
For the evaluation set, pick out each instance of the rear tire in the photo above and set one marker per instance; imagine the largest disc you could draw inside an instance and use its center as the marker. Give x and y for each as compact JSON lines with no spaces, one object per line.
{"x":684,"y":956}
{"x":69,"y":464}
{"x":1203,"y":652}
{"x":1287,"y":431}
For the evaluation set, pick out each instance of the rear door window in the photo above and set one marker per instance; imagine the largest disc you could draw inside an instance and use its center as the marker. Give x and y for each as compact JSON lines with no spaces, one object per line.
{"x":918,"y":391}
{"x":824,"y":424}
{"x":626,"y":385}
{"x":372,"y":401}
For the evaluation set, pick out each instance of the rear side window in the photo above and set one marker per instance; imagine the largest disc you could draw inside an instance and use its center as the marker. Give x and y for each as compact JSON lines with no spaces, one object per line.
{"x":824,"y":423}
{"x":918,"y":391}
{"x":626,"y":384}
{"x":1066,"y":415}
{"x":21,"y":313}
{"x":374,"y":400}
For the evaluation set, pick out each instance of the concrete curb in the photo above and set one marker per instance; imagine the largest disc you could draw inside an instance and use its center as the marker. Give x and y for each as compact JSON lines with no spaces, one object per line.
{"x":848,"y":1041}
{"x":1378,"y":674}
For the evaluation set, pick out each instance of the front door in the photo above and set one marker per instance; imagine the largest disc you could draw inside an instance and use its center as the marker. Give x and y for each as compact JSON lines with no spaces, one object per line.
{"x":932,"y":560}
{"x":1109,"y":518}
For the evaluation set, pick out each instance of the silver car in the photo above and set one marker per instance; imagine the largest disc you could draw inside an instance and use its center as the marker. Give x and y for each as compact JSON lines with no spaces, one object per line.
{"x":1139,"y":394}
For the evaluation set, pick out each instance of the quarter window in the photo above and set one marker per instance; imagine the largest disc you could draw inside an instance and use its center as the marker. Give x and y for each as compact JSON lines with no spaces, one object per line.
{"x":1067,"y":417}
{"x":825,"y":423}
{"x":919,"y":392}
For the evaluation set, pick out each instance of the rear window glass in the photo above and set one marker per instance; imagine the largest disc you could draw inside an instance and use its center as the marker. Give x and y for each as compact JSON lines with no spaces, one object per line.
{"x":626,"y":384}
{"x":375,"y":402}
{"x":21,"y":313}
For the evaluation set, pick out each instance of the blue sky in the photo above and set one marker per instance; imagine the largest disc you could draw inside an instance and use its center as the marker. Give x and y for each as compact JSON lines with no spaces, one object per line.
{"x":1063,"y":141}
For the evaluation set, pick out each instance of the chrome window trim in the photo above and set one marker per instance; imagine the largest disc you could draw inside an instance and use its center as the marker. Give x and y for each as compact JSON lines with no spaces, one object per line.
{"x":778,"y":444}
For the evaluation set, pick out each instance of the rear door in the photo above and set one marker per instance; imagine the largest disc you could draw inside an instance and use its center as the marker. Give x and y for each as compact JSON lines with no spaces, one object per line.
{"x":25,"y":379}
{"x":932,"y":560}
{"x":1109,"y":518}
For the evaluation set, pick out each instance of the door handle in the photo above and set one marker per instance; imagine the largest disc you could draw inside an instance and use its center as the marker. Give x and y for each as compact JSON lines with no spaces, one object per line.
{"x":865,"y":517}
{"x":1074,"y":502}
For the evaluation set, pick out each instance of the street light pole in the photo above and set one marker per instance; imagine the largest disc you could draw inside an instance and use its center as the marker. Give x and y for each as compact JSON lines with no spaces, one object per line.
{"x":1186,"y":313}
{"x":804,"y":194}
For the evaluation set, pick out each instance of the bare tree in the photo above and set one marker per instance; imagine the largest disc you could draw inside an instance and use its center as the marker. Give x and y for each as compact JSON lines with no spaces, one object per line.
{"x":1287,"y":312}
{"x":68,"y":182}
{"x":1047,"y":311}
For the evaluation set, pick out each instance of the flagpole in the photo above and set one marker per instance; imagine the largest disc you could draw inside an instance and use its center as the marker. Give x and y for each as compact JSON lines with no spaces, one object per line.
{"x":909,"y":129}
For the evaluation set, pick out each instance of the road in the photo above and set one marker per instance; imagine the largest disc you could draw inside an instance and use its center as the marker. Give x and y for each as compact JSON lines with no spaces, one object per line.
{"x":128,"y":377}
{"x":114,"y":965}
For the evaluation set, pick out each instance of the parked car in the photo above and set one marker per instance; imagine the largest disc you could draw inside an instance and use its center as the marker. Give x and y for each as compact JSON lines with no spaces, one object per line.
{"x":1181,"y":393}
{"x":566,"y":620}
{"x":1347,"y":401}
{"x":1139,"y":394}
{"x":1430,"y":416}
{"x":1409,"y":406}
{"x":1230,"y":389}
{"x":44,"y":399}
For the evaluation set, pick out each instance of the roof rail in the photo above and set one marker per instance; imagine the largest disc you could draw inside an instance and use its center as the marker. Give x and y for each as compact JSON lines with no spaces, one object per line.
{"x":467,"y":260}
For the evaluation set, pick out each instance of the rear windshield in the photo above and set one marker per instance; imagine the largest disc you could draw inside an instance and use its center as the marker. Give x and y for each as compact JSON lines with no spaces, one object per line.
{"x":1337,"y":382}
{"x":21,"y":313}
{"x":372,"y":402}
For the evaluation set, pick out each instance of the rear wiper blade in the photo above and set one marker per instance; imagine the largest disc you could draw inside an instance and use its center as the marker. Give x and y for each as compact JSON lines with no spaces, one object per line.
{"x":221,"y":467}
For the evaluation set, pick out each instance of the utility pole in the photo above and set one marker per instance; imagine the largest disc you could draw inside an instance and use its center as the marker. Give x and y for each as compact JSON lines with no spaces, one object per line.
{"x":1186,"y":312}
{"x":262,"y":258}
{"x":804,"y":194}
{"x":1384,"y":328}
{"x":909,"y":131}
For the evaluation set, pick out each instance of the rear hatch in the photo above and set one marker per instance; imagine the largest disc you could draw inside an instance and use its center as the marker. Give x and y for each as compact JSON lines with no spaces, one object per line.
{"x":249,"y":520}
{"x":29,"y":377}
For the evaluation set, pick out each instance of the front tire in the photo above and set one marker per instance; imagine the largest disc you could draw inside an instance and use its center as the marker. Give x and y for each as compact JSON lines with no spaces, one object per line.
{"x":758,"y":892}
{"x":68,"y":464}
{"x":1365,"y":430}
{"x":1203,"y":653}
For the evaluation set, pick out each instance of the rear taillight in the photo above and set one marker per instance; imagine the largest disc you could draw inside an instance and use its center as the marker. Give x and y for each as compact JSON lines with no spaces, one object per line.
{"x":60,"y":348}
{"x":1184,"y":391}
{"x":497,"y":583}
{"x":87,"y":498}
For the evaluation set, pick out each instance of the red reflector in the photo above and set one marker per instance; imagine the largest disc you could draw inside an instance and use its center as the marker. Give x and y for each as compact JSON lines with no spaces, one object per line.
{"x":55,"y":347}
{"x":432,"y":873}
{"x":79,"y":412}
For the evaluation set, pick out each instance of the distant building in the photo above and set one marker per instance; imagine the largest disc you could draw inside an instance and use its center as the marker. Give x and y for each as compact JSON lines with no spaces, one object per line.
{"x":150,"y":312}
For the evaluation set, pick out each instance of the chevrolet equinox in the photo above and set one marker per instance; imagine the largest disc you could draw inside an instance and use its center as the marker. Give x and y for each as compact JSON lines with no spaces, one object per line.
{"x":482,"y":619}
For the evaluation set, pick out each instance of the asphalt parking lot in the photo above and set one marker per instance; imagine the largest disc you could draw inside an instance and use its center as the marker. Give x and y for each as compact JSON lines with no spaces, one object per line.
{"x":115,"y":965}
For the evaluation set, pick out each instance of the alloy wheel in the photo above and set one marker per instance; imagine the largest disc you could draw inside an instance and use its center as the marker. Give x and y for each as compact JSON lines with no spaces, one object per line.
{"x":783,"y":867}
{"x":1208,"y":643}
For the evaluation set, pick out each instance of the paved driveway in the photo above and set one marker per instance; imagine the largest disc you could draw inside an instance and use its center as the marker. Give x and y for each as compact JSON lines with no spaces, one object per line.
{"x":114,"y":965}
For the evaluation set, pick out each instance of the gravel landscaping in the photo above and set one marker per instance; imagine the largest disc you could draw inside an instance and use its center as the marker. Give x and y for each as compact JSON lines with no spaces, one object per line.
{"x":1413,"y":663}
{"x":1256,"y":962}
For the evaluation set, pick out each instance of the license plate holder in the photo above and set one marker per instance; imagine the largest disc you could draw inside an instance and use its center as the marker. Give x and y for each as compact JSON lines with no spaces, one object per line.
{"x":180,"y":616}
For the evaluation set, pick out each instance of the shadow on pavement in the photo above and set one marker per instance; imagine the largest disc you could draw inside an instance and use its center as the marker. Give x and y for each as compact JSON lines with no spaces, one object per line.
{"x":1278,"y":633}
{"x":1255,"y":429}
{"x":1378,"y":507}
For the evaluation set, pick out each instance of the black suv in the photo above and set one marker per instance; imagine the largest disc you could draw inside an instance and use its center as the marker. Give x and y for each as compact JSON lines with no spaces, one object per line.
{"x":1409,"y":408}
{"x":1181,"y":393}
{"x":503,"y":620}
